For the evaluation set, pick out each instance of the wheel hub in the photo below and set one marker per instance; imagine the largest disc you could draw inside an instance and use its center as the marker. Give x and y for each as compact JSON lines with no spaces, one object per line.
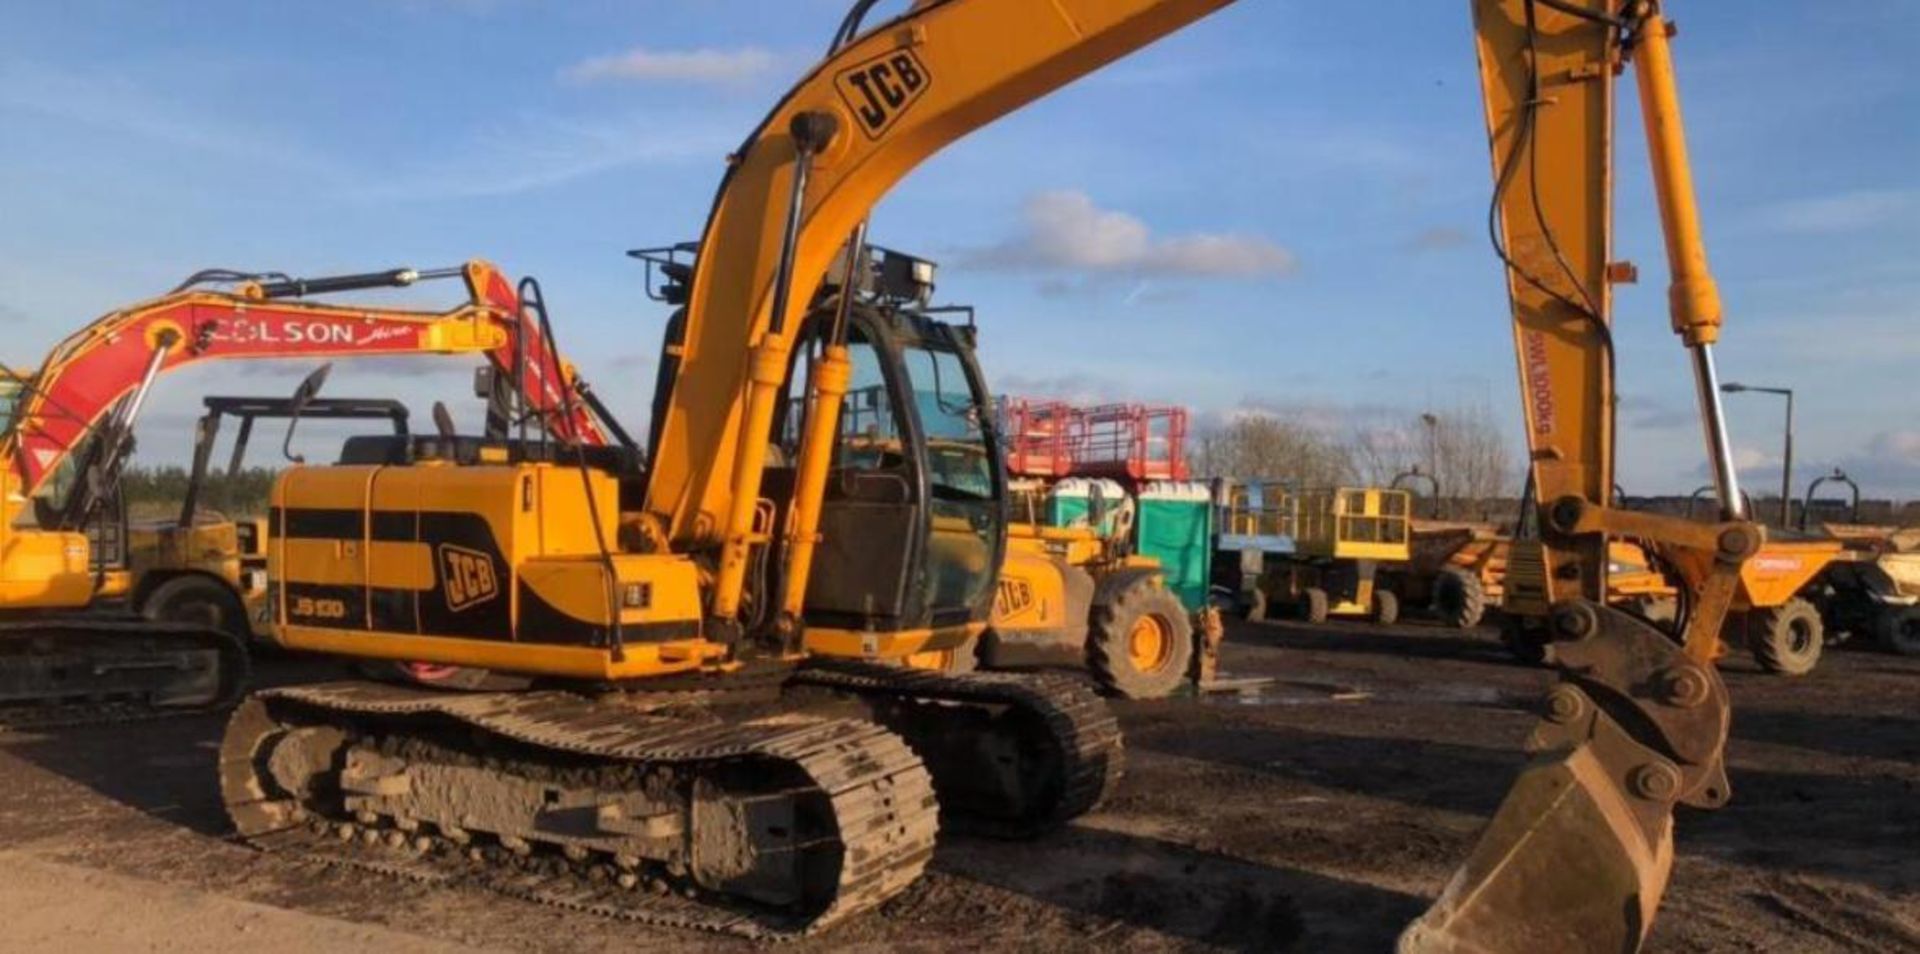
{"x":1148,"y":644}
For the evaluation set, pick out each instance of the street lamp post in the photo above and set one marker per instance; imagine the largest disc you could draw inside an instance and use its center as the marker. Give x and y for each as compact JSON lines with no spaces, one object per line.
{"x":1786,"y":457}
{"x":1432,"y":423}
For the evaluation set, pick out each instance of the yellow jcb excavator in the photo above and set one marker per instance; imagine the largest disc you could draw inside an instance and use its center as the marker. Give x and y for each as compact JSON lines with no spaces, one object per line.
{"x":680,"y":689}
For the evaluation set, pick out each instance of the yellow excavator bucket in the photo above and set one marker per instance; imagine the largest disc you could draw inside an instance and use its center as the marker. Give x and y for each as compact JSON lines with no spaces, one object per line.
{"x":1577,"y":857}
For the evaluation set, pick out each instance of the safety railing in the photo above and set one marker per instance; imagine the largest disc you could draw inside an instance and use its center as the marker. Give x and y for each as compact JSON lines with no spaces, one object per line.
{"x":1346,"y":521}
{"x":1131,"y":441}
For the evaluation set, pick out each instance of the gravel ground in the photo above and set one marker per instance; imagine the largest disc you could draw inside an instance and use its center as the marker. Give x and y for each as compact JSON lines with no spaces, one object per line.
{"x":1317,"y":816}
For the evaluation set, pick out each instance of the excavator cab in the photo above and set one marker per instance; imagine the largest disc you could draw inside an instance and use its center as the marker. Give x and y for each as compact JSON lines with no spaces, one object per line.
{"x":913,"y":521}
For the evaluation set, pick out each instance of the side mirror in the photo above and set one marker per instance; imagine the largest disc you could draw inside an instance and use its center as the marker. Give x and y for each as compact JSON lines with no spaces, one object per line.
{"x":302,"y":396}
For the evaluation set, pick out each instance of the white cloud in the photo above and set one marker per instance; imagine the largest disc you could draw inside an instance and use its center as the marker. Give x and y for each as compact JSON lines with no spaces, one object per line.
{"x":1841,"y":212}
{"x":538,"y":152}
{"x":1067,"y":230}
{"x":1645,"y":413}
{"x":1833,"y":336}
{"x":1899,"y":445}
{"x":1747,"y":458}
{"x":126,"y":106}
{"x":702,"y":66}
{"x":465,"y":7}
{"x":1439,"y":239}
{"x":1328,"y":419}
{"x":1074,"y":386}
{"x":1888,"y":464}
{"x":510,"y":154}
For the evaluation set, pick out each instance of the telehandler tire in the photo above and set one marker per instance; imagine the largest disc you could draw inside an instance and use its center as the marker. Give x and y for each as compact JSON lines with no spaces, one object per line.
{"x":1140,"y":645}
{"x":1459,"y":598}
{"x":1787,"y":639}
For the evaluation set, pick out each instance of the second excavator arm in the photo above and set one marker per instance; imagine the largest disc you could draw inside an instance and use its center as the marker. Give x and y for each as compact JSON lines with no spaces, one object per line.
{"x":105,"y":368}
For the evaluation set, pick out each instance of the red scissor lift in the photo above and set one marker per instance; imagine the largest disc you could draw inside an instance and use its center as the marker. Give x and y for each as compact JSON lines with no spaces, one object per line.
{"x":1131,"y":443}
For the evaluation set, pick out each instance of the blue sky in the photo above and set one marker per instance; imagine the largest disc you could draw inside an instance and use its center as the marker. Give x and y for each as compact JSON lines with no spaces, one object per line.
{"x":1280,"y":208}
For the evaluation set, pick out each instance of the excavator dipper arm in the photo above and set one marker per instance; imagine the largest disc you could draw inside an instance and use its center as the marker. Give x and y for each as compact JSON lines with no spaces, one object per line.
{"x":1578,"y":855}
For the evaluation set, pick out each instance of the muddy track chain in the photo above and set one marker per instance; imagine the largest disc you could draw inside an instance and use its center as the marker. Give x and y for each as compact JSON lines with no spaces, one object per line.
{"x":880,"y":793}
{"x":21,"y":638}
{"x":1082,"y":730}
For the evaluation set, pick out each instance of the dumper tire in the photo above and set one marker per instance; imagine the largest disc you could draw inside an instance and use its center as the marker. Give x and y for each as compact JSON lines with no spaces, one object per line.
{"x":1140,"y":645}
{"x":1256,"y":611}
{"x":1314,"y":606}
{"x":1899,"y":630}
{"x":1386,"y":607}
{"x":1787,"y":639}
{"x":1459,"y":598}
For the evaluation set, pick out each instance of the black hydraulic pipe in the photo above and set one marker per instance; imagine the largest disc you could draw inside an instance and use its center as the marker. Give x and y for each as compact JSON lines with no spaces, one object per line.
{"x":391,"y":278}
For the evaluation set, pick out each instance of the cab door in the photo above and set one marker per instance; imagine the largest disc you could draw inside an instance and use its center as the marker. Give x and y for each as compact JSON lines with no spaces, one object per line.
{"x":870,"y":523}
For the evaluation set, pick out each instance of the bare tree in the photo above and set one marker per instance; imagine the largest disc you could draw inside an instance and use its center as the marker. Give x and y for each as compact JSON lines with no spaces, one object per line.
{"x":1381,"y":446}
{"x":1273,"y":447}
{"x":1472,"y":459}
{"x":1463,"y":448}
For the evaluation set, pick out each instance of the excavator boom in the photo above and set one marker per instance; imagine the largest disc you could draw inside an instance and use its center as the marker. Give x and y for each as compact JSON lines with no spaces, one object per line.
{"x":895,"y":95}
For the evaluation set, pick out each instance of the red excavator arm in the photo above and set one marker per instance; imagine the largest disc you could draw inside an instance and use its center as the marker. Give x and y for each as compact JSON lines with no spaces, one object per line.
{"x":110,"y":363}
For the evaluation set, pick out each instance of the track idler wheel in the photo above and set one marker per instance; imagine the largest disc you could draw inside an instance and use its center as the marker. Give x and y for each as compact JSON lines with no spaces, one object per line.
{"x":268,"y":768}
{"x":1577,"y":856}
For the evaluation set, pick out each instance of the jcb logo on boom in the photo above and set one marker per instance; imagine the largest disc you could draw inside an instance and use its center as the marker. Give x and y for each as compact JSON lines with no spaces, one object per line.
{"x":880,"y":90}
{"x":467,"y":576}
{"x":1012,"y":598}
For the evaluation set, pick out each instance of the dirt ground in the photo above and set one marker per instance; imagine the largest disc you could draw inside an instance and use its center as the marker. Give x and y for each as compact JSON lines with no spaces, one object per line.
{"x":1320,"y":815}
